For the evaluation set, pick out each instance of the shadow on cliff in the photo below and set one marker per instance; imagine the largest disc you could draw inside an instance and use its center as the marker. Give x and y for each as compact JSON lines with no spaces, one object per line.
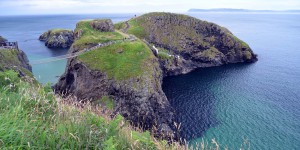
{"x":194,"y":97}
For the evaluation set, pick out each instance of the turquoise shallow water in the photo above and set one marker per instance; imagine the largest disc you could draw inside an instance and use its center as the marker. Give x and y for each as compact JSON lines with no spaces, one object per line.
{"x":27,"y":29}
{"x":259,"y":102}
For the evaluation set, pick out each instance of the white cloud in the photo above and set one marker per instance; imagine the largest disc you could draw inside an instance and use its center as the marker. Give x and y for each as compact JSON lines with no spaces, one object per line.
{"x":10,"y":7}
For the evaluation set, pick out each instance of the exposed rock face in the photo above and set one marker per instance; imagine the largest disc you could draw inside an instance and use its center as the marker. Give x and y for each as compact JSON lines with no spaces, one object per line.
{"x":194,"y":43}
{"x":13,"y":59}
{"x":140,"y":100}
{"x":58,"y":38}
{"x":104,"y":25}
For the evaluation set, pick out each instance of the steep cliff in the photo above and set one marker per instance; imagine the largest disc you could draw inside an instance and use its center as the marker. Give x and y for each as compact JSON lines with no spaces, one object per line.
{"x":13,"y":59}
{"x":127,"y":72}
{"x":58,"y":38}
{"x":185,"y":43}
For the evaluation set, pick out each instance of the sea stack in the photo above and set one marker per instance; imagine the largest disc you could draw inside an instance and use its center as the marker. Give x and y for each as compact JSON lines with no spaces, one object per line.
{"x":58,"y":38}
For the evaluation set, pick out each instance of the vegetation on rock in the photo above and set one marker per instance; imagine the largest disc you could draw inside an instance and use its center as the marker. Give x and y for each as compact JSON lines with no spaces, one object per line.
{"x":120,"y":61}
{"x":12,"y":59}
{"x":87,"y":36}
{"x":198,"y":43}
{"x":130,"y":74}
{"x":57,"y":38}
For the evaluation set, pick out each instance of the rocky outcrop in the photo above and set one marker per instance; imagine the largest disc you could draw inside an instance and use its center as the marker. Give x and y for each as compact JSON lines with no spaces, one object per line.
{"x":180,"y":44}
{"x":140,"y":100}
{"x":58,"y":38}
{"x":14,"y":59}
{"x":191,"y":42}
{"x":103,"y":25}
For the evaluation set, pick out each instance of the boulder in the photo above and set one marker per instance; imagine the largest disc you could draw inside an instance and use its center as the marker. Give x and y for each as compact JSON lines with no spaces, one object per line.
{"x":103,"y":25}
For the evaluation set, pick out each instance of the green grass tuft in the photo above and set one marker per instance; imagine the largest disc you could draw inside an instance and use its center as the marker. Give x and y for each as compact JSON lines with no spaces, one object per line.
{"x":120,"y":61}
{"x":136,"y":28}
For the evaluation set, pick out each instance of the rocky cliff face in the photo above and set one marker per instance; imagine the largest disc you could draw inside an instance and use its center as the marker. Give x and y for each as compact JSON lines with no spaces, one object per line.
{"x":136,"y":90}
{"x":140,"y":100}
{"x":13,"y":59}
{"x":58,"y":38}
{"x":192,"y":43}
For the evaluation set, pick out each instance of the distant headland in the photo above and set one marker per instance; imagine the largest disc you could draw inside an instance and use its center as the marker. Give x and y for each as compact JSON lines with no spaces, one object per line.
{"x":239,"y":10}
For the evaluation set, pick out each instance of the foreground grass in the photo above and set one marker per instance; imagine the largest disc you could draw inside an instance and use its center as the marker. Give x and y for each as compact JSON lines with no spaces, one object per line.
{"x":32,"y":118}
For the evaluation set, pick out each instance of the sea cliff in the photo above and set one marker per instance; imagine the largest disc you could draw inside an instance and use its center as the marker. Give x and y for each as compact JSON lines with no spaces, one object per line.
{"x":130,"y":72}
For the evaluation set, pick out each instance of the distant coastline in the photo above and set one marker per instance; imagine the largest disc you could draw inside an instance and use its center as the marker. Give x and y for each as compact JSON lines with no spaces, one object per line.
{"x":239,"y":10}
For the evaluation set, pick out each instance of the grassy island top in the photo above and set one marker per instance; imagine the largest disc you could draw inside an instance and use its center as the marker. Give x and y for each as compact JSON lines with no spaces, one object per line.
{"x":121,"y":60}
{"x":92,"y":36}
{"x":60,"y":30}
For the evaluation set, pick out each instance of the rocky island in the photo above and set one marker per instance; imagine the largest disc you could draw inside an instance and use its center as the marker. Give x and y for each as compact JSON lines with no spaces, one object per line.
{"x":126,"y":62}
{"x":58,"y":38}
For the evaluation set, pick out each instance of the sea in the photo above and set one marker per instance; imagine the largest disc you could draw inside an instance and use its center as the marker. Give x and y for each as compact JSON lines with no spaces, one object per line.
{"x":255,"y":106}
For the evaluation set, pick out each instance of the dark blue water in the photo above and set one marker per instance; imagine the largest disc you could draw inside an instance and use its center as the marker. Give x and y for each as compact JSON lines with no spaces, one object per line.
{"x":255,"y":102}
{"x":258,"y":102}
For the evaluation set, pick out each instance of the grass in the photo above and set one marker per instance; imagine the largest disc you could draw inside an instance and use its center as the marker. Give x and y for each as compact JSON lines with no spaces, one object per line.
{"x":120,"y":25}
{"x":120,"y":61}
{"x":31,"y":117}
{"x":107,"y":102}
{"x":136,"y":28}
{"x":54,"y":31}
{"x":91,"y":36}
{"x":9,"y":58}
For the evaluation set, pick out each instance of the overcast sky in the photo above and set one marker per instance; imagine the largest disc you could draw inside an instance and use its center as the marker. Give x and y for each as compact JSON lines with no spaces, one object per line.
{"x":23,"y":7}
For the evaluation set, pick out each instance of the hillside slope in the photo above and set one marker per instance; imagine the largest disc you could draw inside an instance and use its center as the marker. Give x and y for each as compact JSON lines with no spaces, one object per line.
{"x":187,"y":42}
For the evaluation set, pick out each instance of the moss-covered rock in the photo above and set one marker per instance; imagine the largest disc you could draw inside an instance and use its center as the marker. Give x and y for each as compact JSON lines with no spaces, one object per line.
{"x":195,"y":42}
{"x":58,"y":38}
